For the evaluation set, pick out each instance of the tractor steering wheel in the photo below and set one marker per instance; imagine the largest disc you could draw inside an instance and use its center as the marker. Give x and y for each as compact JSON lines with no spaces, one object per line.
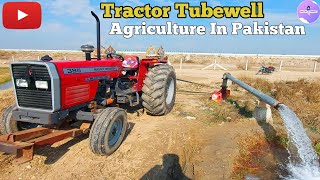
{"x":113,"y":55}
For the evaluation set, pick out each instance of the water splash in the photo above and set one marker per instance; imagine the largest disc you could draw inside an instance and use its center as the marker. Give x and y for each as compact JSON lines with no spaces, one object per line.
{"x":307,"y":166}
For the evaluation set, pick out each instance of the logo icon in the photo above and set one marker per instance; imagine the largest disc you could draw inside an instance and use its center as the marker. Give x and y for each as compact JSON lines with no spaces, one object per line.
{"x":21,"y":15}
{"x":308,"y":11}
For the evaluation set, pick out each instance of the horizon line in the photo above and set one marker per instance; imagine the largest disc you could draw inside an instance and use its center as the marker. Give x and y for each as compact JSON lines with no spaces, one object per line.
{"x":176,"y":52}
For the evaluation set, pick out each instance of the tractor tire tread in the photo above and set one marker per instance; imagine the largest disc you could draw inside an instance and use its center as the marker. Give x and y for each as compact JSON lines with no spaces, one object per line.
{"x":99,"y":129}
{"x":154,"y":90}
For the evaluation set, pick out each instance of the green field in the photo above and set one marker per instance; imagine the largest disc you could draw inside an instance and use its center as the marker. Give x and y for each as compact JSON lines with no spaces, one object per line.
{"x":4,"y":74}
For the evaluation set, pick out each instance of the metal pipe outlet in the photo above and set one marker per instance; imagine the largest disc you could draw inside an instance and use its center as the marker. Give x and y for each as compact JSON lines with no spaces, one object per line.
{"x":263,"y":97}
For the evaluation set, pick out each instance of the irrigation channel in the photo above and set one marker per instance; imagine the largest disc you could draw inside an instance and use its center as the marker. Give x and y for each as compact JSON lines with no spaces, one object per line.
{"x":304,"y":164}
{"x":6,"y":85}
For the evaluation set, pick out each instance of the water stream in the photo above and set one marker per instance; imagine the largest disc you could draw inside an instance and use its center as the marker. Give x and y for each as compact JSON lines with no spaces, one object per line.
{"x":6,"y":85}
{"x":305,"y":165}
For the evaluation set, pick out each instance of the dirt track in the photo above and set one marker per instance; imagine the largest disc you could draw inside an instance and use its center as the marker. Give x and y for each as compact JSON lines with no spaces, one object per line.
{"x":155,"y":148}
{"x":201,"y":151}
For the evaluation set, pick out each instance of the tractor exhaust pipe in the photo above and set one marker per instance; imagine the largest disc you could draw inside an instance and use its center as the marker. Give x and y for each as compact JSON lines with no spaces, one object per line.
{"x":98,"y":35}
{"x":263,"y":97}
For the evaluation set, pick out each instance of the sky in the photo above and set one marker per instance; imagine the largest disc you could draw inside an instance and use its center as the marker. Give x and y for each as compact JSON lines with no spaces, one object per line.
{"x":66,"y":25}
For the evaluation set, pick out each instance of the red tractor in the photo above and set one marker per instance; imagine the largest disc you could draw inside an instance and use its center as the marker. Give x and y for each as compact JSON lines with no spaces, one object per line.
{"x":52,"y":95}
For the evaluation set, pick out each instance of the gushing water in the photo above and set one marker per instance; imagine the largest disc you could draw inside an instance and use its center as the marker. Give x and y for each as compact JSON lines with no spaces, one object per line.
{"x":307,"y":166}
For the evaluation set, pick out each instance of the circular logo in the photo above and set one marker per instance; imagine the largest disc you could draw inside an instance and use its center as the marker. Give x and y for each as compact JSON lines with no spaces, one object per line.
{"x":308,"y":11}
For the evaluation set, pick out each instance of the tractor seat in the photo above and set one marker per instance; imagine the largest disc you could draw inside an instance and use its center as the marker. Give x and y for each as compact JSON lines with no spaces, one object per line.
{"x":130,"y":63}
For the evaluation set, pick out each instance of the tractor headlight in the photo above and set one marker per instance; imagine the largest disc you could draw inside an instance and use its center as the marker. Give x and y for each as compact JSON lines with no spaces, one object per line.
{"x":42,"y":84}
{"x":21,"y":83}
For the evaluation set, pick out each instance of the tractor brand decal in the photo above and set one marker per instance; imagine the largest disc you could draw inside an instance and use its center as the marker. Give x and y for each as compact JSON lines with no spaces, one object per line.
{"x":88,"y":70}
{"x":97,"y":78}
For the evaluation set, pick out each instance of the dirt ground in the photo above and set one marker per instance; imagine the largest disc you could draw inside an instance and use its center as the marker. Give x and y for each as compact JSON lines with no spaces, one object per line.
{"x":181,"y":145}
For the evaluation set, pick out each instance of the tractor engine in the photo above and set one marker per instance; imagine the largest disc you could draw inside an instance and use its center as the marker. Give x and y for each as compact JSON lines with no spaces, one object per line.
{"x":48,"y":91}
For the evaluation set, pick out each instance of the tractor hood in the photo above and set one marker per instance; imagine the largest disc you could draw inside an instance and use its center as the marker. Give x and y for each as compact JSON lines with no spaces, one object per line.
{"x":57,"y":85}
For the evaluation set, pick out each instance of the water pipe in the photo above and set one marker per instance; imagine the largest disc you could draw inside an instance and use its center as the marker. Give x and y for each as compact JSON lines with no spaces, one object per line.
{"x":263,"y":97}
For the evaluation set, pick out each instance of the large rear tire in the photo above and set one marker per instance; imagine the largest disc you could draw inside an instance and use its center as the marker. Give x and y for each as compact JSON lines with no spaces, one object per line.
{"x":159,"y":90}
{"x":9,"y":125}
{"x":108,"y":131}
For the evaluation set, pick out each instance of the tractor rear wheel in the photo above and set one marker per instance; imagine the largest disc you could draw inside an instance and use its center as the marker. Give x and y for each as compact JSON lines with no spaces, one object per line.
{"x":9,"y":125}
{"x":108,"y":131}
{"x":159,"y":90}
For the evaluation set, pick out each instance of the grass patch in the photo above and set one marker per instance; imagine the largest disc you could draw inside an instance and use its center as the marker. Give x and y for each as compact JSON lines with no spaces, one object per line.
{"x":302,"y":96}
{"x":7,"y":54}
{"x":181,"y":111}
{"x":260,"y":156}
{"x":317,"y":148}
{"x":58,"y":56}
{"x":211,"y":112}
{"x":316,"y":145}
{"x":226,"y":111}
{"x":5,"y":74}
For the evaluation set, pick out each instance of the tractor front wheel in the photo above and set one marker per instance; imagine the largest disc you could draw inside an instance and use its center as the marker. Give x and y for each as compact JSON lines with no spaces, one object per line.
{"x":159,"y":90}
{"x":108,"y":131}
{"x":9,"y":125}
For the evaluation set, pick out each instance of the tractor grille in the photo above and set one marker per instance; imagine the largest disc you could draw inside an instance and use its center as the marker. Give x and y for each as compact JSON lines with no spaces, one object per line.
{"x":32,"y":97}
{"x":39,"y":72}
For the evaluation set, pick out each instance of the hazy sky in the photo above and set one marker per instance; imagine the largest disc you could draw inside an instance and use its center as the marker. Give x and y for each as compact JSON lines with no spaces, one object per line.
{"x":68,"y":25}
